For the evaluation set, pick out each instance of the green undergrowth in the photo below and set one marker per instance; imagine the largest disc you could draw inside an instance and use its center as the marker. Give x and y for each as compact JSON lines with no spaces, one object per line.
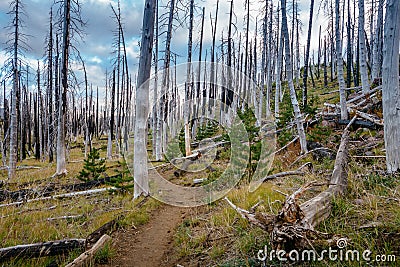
{"x":367,"y":215}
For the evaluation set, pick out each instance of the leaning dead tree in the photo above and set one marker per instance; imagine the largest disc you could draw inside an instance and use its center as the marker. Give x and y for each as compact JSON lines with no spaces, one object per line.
{"x":289,"y":65}
{"x":294,"y":226}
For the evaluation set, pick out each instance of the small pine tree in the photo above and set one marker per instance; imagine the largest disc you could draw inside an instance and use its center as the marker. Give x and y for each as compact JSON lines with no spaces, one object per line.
{"x":124,"y":179}
{"x":93,"y":167}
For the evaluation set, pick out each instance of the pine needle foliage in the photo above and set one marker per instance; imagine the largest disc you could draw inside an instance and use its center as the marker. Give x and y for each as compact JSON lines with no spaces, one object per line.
{"x":93,"y":167}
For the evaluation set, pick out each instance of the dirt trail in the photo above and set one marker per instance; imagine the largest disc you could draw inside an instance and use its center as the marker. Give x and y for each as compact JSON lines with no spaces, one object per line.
{"x":149,"y":244}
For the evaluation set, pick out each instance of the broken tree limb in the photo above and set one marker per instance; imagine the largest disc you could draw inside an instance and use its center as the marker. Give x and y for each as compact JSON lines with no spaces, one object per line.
{"x":288,"y":144}
{"x":252,"y":218}
{"x":197,"y":143}
{"x":283,"y":174}
{"x":50,"y":248}
{"x":67,"y":195}
{"x":308,"y":152}
{"x":88,"y":255}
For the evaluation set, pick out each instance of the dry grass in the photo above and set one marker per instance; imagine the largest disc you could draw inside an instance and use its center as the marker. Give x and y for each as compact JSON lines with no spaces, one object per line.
{"x":29,"y":223}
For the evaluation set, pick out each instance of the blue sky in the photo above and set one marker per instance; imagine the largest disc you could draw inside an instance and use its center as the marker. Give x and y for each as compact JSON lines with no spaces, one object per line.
{"x":96,"y":48}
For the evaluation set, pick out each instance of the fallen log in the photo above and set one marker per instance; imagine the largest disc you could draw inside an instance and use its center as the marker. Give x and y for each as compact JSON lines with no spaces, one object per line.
{"x":67,"y":195}
{"x":44,"y":249}
{"x":191,"y":157}
{"x":88,"y":255}
{"x":366,"y":116}
{"x":361,"y":123}
{"x":364,"y":95}
{"x":106,"y":228}
{"x":205,"y":149}
{"x":283,"y":174}
{"x":21,"y":167}
{"x":66,"y":217}
{"x":197,"y":143}
{"x":295,"y":219}
{"x":29,"y":193}
{"x":294,"y":226}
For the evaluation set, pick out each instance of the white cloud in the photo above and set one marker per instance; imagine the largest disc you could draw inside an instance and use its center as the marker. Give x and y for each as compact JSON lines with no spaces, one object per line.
{"x":96,"y":60}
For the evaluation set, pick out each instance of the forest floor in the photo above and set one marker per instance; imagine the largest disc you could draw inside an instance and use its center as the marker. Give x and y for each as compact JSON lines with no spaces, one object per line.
{"x":155,"y":234}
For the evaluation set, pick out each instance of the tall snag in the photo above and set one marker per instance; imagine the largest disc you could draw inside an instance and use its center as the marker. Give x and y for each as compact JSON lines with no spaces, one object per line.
{"x":141,"y":183}
{"x":390,"y":85}
{"x":297,"y":114}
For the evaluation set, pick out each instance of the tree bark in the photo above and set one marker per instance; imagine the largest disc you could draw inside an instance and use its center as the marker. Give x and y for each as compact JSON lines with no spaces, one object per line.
{"x":62,"y":109}
{"x":306,"y":59}
{"x":339,"y":59}
{"x":377,"y":62}
{"x":390,"y":85}
{"x":363,"y":56}
{"x":13,"y":112}
{"x":141,"y":182}
{"x":297,"y":115}
{"x":189,"y":82}
{"x":50,"y":248}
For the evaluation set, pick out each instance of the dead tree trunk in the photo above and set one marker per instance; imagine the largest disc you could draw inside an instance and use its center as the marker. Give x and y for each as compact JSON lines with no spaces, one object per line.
{"x":141,"y":183}
{"x":13,"y":112}
{"x":363,"y":55}
{"x":297,"y":114}
{"x":62,"y":109}
{"x":306,"y":59}
{"x":339,"y":59}
{"x":50,"y":248}
{"x":50,"y":134}
{"x":189,"y":82}
{"x":390,"y":88}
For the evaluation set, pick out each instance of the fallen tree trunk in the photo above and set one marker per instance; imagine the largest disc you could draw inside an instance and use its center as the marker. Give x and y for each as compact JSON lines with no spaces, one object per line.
{"x":364,"y":124}
{"x":24,"y":194}
{"x":44,"y":249}
{"x":73,"y":194}
{"x":20,"y":168}
{"x":366,"y":116}
{"x":294,"y":226}
{"x":88,"y":255}
{"x":106,"y":228}
{"x":191,"y":157}
{"x":364,"y":95}
{"x":283,"y":174}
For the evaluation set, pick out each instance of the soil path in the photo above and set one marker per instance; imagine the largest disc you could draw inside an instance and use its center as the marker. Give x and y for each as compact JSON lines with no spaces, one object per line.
{"x":149,"y":244}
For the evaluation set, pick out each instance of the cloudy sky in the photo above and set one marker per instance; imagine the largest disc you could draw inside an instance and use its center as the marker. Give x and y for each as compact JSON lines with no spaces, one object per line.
{"x":96,"y":47}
